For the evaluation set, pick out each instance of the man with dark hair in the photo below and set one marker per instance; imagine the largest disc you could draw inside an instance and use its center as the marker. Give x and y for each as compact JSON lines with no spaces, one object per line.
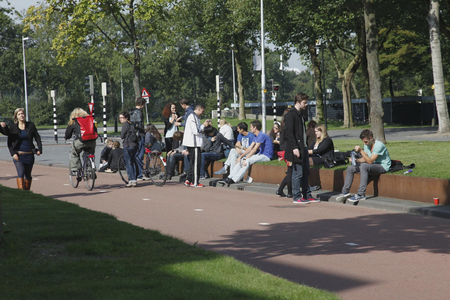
{"x":188,"y":108}
{"x":193,"y":140}
{"x":260,"y":150}
{"x":375,"y":160}
{"x":244,"y":140}
{"x":297,"y":151}
{"x":213,"y":149}
{"x":137,"y":119}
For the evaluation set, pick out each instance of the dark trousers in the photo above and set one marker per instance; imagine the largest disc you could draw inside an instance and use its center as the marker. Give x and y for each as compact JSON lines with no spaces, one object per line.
{"x":169,"y":144}
{"x":195,"y":161}
{"x":287,"y":180}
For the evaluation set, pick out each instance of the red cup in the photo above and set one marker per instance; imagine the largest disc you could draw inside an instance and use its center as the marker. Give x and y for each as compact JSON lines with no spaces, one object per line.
{"x":436,"y":201}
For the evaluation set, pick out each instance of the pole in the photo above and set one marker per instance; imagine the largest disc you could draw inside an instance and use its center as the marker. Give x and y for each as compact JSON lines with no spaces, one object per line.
{"x":121,"y":85}
{"x":146,"y":112}
{"x":263,"y":73}
{"x":105,"y":134}
{"x":218,"y":99}
{"x":234,"y":80}
{"x":25,"y":76}
{"x":92,"y":101}
{"x":55,"y":126}
{"x":323,"y":91}
{"x":274,"y":98}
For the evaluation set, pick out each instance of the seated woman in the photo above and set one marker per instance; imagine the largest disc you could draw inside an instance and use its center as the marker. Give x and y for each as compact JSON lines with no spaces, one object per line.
{"x":275,"y":137}
{"x":113,"y":158}
{"x":321,"y":147}
{"x":153,"y":139}
{"x":226,"y":130}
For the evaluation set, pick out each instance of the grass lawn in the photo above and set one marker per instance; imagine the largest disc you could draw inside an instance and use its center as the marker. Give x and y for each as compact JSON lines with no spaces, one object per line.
{"x":57,"y":250}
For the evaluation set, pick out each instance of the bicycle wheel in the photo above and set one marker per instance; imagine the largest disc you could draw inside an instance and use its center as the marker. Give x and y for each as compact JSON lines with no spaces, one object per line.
{"x":122,"y":169}
{"x":89,"y":174}
{"x":75,"y":180}
{"x":156,"y":170}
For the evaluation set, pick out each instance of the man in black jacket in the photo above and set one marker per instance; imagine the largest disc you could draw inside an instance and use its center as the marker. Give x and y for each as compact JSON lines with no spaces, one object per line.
{"x":297,"y":151}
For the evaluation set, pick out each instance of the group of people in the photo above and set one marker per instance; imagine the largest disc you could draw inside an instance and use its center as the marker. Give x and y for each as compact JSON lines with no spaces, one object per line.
{"x":298,"y":144}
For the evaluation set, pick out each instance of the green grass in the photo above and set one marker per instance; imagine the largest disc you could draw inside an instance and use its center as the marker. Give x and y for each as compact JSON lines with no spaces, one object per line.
{"x":57,"y":250}
{"x":431,"y":158}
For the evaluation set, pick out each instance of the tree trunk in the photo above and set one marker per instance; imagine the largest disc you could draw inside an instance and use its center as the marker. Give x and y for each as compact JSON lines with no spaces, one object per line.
{"x":355,"y":90}
{"x":240,"y":80}
{"x":347,"y":101}
{"x":317,"y":83}
{"x":373,"y":67}
{"x":438,"y":73}
{"x":365,"y":75}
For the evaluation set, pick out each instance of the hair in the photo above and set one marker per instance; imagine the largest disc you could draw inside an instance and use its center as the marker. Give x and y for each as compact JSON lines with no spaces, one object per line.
{"x":299,"y":97}
{"x":199,"y":106}
{"x":184,"y":101}
{"x":323,"y":132}
{"x":311,"y":124}
{"x":126,"y":115}
{"x":283,"y":117}
{"x":167,"y":111}
{"x":256,"y":124}
{"x":140,"y":101}
{"x":77,"y":113}
{"x":16,"y":112}
{"x":178,"y":136}
{"x":366,"y":133}
{"x":243,"y":126}
{"x":153,"y":131}
{"x":208,"y":130}
{"x":222,"y":122}
{"x":116,"y":144}
{"x":109,"y":142}
{"x":273,"y":128}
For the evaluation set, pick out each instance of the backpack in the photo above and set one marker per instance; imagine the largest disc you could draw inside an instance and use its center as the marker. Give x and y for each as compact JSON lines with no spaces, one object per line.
{"x":87,"y":128}
{"x":397,"y":165}
{"x":136,"y":121}
{"x":335,"y":159}
{"x":133,"y":137}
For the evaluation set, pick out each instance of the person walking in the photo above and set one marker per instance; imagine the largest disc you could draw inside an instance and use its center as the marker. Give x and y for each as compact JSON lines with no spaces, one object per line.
{"x":137,"y":120}
{"x":130,"y":146}
{"x":20,"y":143}
{"x":188,"y":109}
{"x":193,"y":140}
{"x":296,"y":150}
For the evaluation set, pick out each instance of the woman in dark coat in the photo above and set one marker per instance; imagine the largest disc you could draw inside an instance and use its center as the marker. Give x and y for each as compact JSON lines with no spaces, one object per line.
{"x":321,"y":147}
{"x":20,"y":143}
{"x":171,"y":123}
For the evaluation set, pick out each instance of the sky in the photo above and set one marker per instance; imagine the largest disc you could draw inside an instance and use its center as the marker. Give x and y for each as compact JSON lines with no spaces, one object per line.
{"x":20,"y":5}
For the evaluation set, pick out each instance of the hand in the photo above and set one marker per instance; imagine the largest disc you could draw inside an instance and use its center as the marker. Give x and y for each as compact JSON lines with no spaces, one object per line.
{"x":177,"y":123}
{"x":310,"y":152}
{"x":179,"y":118}
{"x":16,"y":157}
{"x":358,"y":149}
{"x":38,"y":153}
{"x":296,"y":152}
{"x":244,"y":162}
{"x":214,"y":138}
{"x":185,"y":152}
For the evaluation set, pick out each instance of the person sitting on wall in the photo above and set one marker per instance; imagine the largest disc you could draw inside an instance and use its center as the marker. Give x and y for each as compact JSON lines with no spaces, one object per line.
{"x":321,"y":147}
{"x":375,"y":160}
{"x":213,"y":149}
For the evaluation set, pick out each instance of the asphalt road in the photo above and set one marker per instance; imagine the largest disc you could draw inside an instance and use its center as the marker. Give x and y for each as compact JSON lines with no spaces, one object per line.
{"x":354,"y":251}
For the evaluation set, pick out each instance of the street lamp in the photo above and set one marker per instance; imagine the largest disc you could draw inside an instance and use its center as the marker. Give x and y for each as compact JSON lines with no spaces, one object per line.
{"x":25,"y":76}
{"x":319,"y":47}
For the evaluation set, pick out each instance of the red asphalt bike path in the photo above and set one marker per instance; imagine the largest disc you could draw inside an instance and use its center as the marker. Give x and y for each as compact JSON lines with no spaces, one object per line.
{"x":353,"y":251}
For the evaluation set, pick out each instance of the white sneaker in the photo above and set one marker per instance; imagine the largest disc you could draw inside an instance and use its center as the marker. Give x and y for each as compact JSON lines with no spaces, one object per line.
{"x":222,"y":171}
{"x":249,"y":179}
{"x":343,"y":197}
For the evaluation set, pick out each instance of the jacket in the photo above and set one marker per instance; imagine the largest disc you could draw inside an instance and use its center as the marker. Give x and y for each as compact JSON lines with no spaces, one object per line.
{"x":128,"y":135}
{"x":325,"y":147}
{"x":14,"y":137}
{"x":295,"y":134}
{"x":193,"y":132}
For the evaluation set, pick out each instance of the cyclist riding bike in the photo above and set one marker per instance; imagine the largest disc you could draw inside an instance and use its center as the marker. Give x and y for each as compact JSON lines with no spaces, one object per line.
{"x":83,"y":139}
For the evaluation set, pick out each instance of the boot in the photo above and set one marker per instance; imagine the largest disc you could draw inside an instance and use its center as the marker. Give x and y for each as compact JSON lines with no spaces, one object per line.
{"x":20,"y":185}
{"x":27,"y":184}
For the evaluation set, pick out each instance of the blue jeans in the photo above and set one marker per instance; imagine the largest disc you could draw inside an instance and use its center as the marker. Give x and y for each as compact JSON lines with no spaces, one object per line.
{"x":300,"y":176}
{"x":140,"y":156}
{"x":129,"y":155}
{"x":207,"y":157}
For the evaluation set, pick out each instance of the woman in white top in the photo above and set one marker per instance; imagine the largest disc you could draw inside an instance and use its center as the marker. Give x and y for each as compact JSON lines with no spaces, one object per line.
{"x":226,"y":130}
{"x":171,"y":122}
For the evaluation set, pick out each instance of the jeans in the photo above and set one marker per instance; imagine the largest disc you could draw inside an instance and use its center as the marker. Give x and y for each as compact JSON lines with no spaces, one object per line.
{"x":140,"y":156}
{"x":300,"y":176}
{"x":239,"y":170}
{"x":365,"y":170}
{"x":231,"y":160}
{"x":172,"y":161}
{"x":24,"y":166}
{"x":129,"y":155}
{"x":206,"y":158}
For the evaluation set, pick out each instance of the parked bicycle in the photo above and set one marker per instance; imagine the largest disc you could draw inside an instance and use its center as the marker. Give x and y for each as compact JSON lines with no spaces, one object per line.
{"x":86,"y":172}
{"x":154,"y":167}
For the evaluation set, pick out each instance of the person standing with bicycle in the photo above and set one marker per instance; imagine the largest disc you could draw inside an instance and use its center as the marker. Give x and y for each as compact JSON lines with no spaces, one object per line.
{"x":78,"y":145}
{"x":130,"y":147}
{"x":20,"y":144}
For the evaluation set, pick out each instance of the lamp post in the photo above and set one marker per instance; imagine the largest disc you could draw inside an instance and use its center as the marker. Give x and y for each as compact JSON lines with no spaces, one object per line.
{"x":318,"y":48}
{"x":263,"y":73}
{"x":25,"y":76}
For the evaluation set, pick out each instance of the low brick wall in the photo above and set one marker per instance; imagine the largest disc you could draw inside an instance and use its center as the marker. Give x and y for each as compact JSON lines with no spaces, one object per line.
{"x":387,"y":185}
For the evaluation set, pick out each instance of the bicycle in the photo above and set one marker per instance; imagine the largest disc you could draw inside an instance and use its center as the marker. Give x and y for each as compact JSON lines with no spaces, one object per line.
{"x":154,"y":167}
{"x":86,"y":172}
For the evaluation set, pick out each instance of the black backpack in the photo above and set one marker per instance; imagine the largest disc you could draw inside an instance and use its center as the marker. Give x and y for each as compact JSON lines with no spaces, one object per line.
{"x":335,"y":159}
{"x":397,"y":165}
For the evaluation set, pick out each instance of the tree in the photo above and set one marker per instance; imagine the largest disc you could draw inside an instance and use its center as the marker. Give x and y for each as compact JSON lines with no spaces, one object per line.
{"x":373,"y":67}
{"x":81,"y":24}
{"x":438,"y":73}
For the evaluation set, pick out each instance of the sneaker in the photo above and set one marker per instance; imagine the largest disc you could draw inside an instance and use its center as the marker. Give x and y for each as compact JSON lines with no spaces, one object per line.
{"x":312,"y":199}
{"x":198,"y":185}
{"x":301,"y":201}
{"x":145,"y":177}
{"x":108,"y":171}
{"x":134,"y":184}
{"x":249,"y":179}
{"x":73,"y":173}
{"x":204,"y":177}
{"x":289,"y":196}
{"x":342,"y":197}
{"x":222,"y":171}
{"x":357,"y":198}
{"x":187,"y":183}
{"x":129,"y":185}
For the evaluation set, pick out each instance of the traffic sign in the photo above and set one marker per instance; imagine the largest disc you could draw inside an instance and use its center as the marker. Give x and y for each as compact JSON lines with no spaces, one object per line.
{"x":145,"y":94}
{"x":91,"y":107}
